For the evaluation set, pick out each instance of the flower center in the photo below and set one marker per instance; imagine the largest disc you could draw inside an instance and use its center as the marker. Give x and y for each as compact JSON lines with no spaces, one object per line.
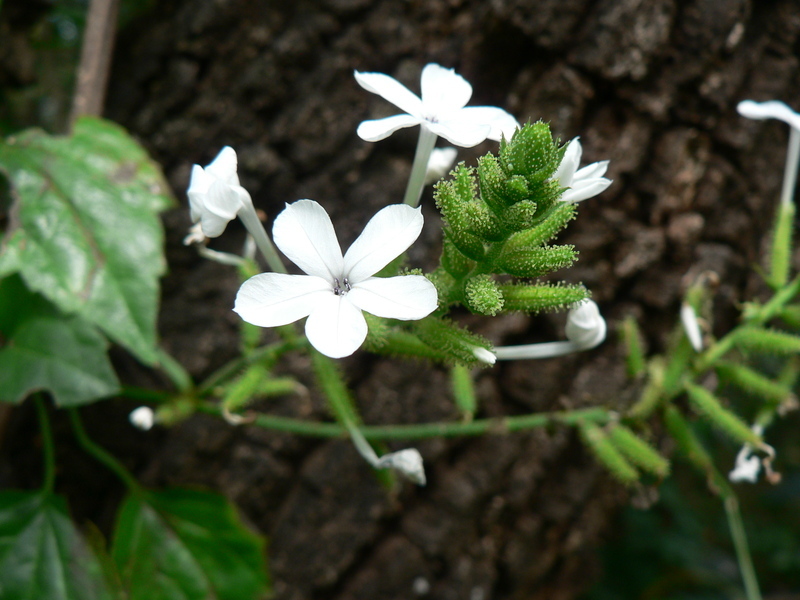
{"x":341,"y":289}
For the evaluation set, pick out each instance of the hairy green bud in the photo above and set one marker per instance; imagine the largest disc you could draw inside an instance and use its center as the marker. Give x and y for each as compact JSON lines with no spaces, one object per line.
{"x":638,"y":451}
{"x":767,"y":341}
{"x":456,"y":343}
{"x":707,"y":405}
{"x":541,"y":296}
{"x":607,"y":454}
{"x":538,"y":261}
{"x":464,"y":390}
{"x":483,"y":295}
{"x":482,"y":222}
{"x":551,"y":222}
{"x":753,"y":382}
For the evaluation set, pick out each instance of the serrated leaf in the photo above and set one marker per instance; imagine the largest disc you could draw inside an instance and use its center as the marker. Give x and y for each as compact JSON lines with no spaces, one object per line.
{"x":84,"y":229}
{"x":43,"y":349}
{"x":42,"y":554}
{"x":187,"y":544}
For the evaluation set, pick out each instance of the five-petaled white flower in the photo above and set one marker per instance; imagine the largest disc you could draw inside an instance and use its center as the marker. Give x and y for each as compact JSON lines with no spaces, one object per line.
{"x":441,"y":109}
{"x":337,"y":288}
{"x":582,"y":183}
{"x":215,"y":196}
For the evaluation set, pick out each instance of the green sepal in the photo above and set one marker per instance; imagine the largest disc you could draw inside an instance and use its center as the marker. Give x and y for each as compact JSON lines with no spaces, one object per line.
{"x":464,"y":390}
{"x":453,"y":260}
{"x":632,"y":340}
{"x":492,"y":179}
{"x":245,"y":388}
{"x":686,"y":440}
{"x":451,"y":197}
{"x":705,"y":403}
{"x":520,"y":215}
{"x":653,"y":392}
{"x":780,"y":256}
{"x":607,"y":453}
{"x":549,"y":224}
{"x":537,"y":261}
{"x":483,"y":295}
{"x":752,"y":381}
{"x":455,"y":342}
{"x":638,"y":451}
{"x":531,"y":153}
{"x":767,"y":341}
{"x":542,"y":296}
{"x":480,"y":221}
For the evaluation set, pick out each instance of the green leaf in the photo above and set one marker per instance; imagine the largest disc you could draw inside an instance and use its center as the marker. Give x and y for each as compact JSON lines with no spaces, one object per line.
{"x":85,"y":231}
{"x":45,"y":350}
{"x":42,"y":554}
{"x":184,"y":544}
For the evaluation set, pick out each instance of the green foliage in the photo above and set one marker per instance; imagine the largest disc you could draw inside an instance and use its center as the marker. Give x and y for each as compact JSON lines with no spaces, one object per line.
{"x":85,"y":232}
{"x":455,"y":344}
{"x":638,"y":451}
{"x":42,"y":554}
{"x":184,"y":544}
{"x":46,"y":350}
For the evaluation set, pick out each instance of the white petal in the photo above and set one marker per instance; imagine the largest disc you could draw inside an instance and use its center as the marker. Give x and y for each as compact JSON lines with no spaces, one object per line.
{"x":336,"y":327}
{"x":392,"y":90}
{"x":460,"y":133}
{"x":585,"y":189}
{"x":691,"y":326}
{"x":592,"y":171}
{"x":142,"y":418}
{"x":303,"y":231}
{"x":199,"y":182}
{"x":221,"y":204}
{"x":772,"y":109}
{"x":443,"y":90}
{"x":387,"y":235}
{"x":569,"y":164}
{"x":406,"y":297}
{"x":439,"y":163}
{"x":378,"y":129}
{"x":272,"y":299}
{"x":502,"y":123}
{"x":223,"y":167}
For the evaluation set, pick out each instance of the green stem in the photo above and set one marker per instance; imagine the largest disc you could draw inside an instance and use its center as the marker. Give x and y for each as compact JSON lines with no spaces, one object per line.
{"x":740,"y":544}
{"x":495,"y":426}
{"x":101,"y":455}
{"x":776,"y":304}
{"x":254,"y":226}
{"x":416,"y":181}
{"x":48,"y":447}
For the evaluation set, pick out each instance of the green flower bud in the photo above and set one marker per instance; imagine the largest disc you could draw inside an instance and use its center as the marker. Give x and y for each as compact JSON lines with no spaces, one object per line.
{"x":483,"y":295}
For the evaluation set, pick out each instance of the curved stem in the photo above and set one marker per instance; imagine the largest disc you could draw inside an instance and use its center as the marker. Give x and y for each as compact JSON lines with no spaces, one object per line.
{"x":495,"y":426}
{"x":101,"y":455}
{"x":416,"y":181}
{"x":48,"y":447}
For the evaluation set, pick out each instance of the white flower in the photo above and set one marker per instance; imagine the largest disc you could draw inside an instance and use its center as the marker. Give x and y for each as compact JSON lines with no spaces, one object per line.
{"x":772,"y":109}
{"x":441,"y":109}
{"x":439,"y":163}
{"x":484,"y":355}
{"x":142,"y":418}
{"x":337,"y":288}
{"x":691,"y":326}
{"x":215,"y":196}
{"x":583,"y":183}
{"x":408,"y":462}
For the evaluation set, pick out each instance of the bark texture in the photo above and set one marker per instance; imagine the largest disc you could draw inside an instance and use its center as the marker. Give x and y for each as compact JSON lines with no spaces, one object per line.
{"x":651,"y":85}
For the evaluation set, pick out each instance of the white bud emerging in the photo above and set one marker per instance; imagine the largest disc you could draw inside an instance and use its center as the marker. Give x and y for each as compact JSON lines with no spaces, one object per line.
{"x":439,"y":163}
{"x":408,"y":462}
{"x":586,"y":327}
{"x":692,"y":326}
{"x":484,"y":355}
{"x":142,"y":418}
